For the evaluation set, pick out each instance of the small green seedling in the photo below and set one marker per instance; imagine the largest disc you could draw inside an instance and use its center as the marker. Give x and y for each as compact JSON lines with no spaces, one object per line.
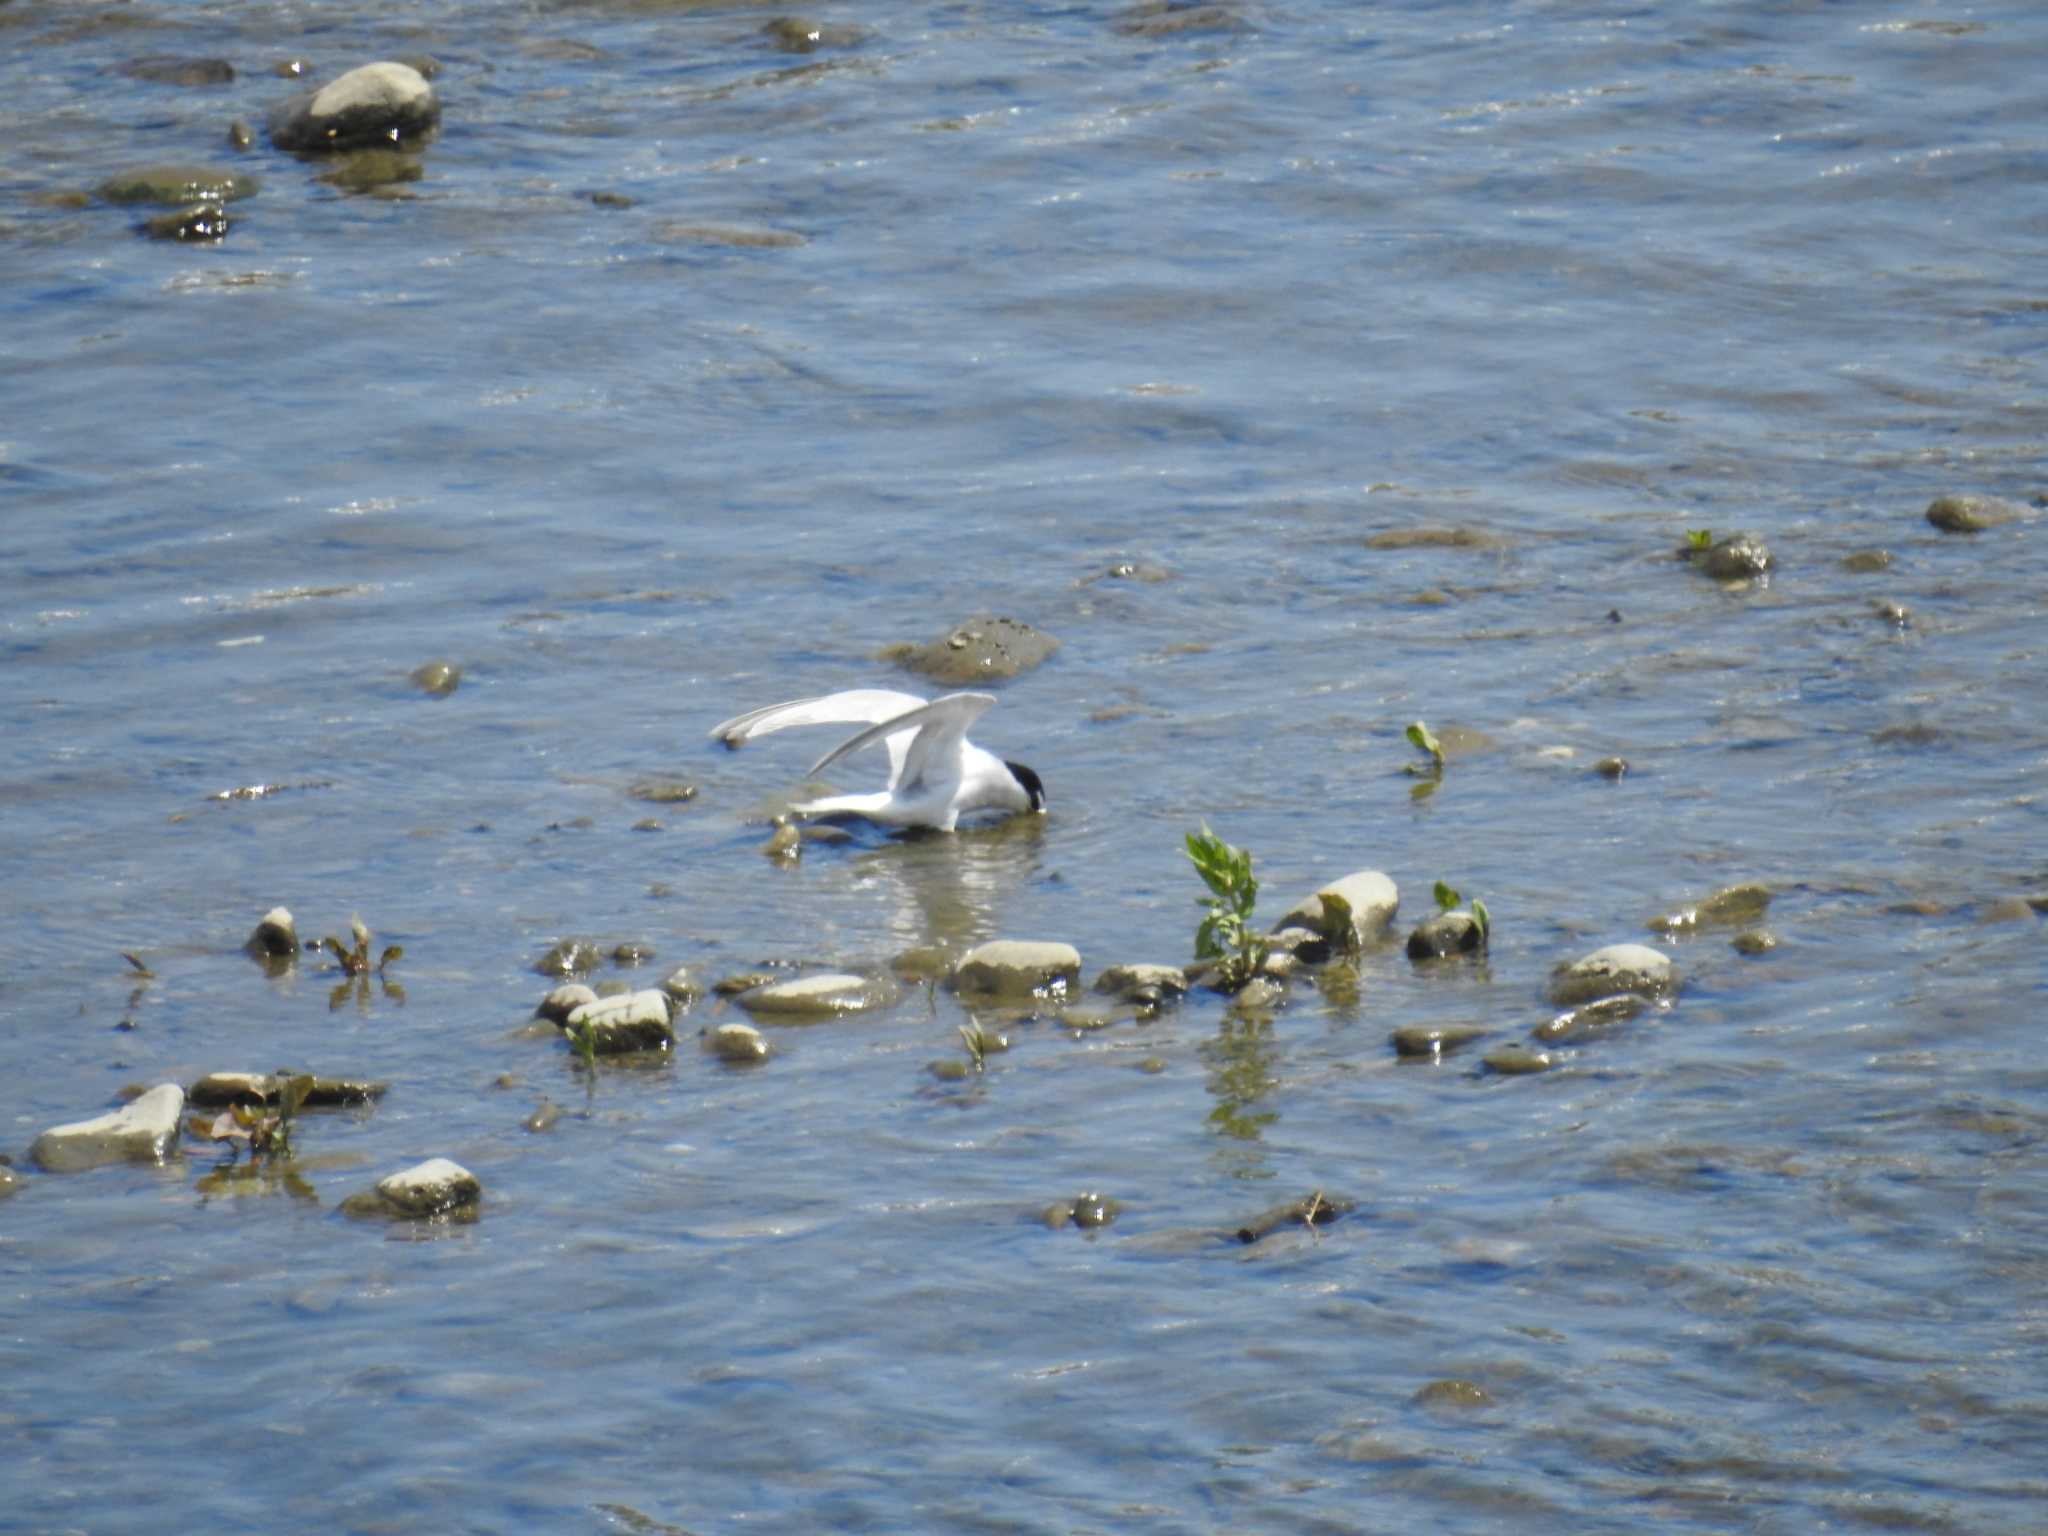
{"x":1420,"y":736}
{"x":978,"y":1044}
{"x":1699,"y":538}
{"x":1226,"y":934}
{"x":267,"y":1132}
{"x":355,"y":959}
{"x":1340,"y":928}
{"x":1447,"y":900}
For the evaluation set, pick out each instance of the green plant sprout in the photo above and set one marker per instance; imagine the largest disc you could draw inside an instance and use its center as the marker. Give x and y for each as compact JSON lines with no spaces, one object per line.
{"x":1447,"y":899}
{"x":978,"y":1044}
{"x":1420,"y":736}
{"x":265,"y":1131}
{"x":1226,"y":934}
{"x":1699,"y":538}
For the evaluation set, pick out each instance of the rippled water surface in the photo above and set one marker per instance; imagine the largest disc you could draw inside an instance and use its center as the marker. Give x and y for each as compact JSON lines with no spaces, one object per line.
{"x":689,"y":374}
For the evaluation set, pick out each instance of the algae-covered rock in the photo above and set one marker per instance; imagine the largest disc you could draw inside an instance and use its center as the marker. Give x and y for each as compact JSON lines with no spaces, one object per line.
{"x":1017,"y":968}
{"x":386,"y":104}
{"x":571,"y":957}
{"x":436,"y":1187}
{"x":1433,"y":1041}
{"x":1518,"y":1060}
{"x":276,"y":936}
{"x":1728,"y":907}
{"x":1447,"y":933}
{"x":1970,"y":514}
{"x":1589,"y":1020}
{"x":1737,"y":557}
{"x":977,"y":651}
{"x":173,"y":185}
{"x":143,"y":1130}
{"x":1143,"y":982}
{"x":1618,"y":968}
{"x":739,"y":1043}
{"x":563,"y":1001}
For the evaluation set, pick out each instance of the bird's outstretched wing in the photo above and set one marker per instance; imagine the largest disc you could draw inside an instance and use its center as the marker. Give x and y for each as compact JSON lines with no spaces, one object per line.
{"x":856,"y":706}
{"x":938,"y":725}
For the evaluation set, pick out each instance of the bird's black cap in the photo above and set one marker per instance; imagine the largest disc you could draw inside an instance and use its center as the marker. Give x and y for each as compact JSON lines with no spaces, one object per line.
{"x":1033,"y":785}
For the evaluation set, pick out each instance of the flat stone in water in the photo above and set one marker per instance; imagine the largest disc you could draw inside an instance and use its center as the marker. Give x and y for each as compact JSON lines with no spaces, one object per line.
{"x":144,"y":1130}
{"x":440,"y":678}
{"x":1431,"y":1041}
{"x":1371,"y":895}
{"x":1518,"y":1060}
{"x":1434,"y":538}
{"x":169,"y":69}
{"x":1730,"y":905}
{"x":664,"y":791}
{"x":740,"y":1043}
{"x":1970,"y":514}
{"x":571,"y":957}
{"x":1754,"y":941}
{"x":1866,"y":562}
{"x":178,"y":184}
{"x":1590,"y":1019}
{"x":1453,"y":1394}
{"x":1142,"y":982}
{"x":436,"y":1187}
{"x":637,"y":1021}
{"x":817,"y":997}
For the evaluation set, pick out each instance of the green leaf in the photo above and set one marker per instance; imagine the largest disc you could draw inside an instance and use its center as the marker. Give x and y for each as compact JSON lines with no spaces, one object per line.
{"x":1479,"y":917}
{"x":1699,"y":538}
{"x":1420,"y":737}
{"x":1446,"y":896}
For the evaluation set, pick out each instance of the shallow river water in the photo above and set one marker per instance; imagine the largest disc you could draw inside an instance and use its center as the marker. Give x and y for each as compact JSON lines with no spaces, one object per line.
{"x":1305,"y":370}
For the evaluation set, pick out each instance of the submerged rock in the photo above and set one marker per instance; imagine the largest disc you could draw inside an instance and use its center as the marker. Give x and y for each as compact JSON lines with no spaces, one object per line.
{"x":1087,"y":1212}
{"x":811,"y":998}
{"x":1727,"y":907}
{"x":201,"y":221}
{"x":1448,"y":933}
{"x":1970,"y":514}
{"x":571,"y":957}
{"x":1433,"y":1041}
{"x":1618,"y":968}
{"x":1589,"y":1020}
{"x":637,"y":1021}
{"x":1372,"y":897}
{"x":800,"y":34}
{"x":170,"y":69}
{"x":1754,"y":941}
{"x":1453,"y":1394}
{"x":682,"y":987}
{"x":440,"y":678}
{"x":740,"y":1043}
{"x":384,"y":104}
{"x":218,"y":1090}
{"x":10,"y":1181}
{"x":276,"y":936}
{"x":1866,"y":562}
{"x":1518,"y":1060}
{"x":144,"y":1130}
{"x":977,"y":651}
{"x":1017,"y":968}
{"x":543,"y":1118}
{"x":1311,"y":1211}
{"x":177,"y":184}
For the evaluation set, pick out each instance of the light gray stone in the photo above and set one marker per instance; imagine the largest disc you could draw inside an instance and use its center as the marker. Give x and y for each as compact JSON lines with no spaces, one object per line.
{"x":1373,"y":898}
{"x":740,"y":1043}
{"x":565,"y":1000}
{"x":384,"y":104}
{"x":1143,"y":980}
{"x":143,"y":1131}
{"x":633,"y":1021}
{"x":436,"y":1187}
{"x":810,"y":998}
{"x":1633,"y":968}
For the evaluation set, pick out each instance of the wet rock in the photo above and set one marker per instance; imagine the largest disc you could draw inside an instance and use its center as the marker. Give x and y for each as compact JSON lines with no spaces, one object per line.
{"x":1736,"y":558}
{"x":1262,"y":994}
{"x":1087,"y":1212}
{"x":1518,"y":1060}
{"x":276,"y":936}
{"x":682,"y":987}
{"x":800,"y":34}
{"x":638,"y":1021}
{"x":1970,"y":514}
{"x":1316,"y":1210}
{"x":1142,"y":982}
{"x":739,"y":237}
{"x":1866,"y":562}
{"x":295,"y":68}
{"x":1754,"y":941}
{"x":1434,"y":538}
{"x":571,"y":957}
{"x":1433,"y":1041}
{"x":1898,"y":615}
{"x":1453,"y":1394}
{"x":1129,"y":570}
{"x":201,"y":221}
{"x":950,"y":1069}
{"x":2006,"y":909}
{"x":664,"y":791}
{"x":1611,"y":767}
{"x":563,"y":1001}
{"x":425,"y":64}
{"x":10,"y":1181}
{"x":978,"y":651}
{"x":543,"y":1118}
{"x":1085,"y":1018}
{"x":1617,"y":968}
{"x":1176,"y":18}
{"x":923,"y":962}
{"x":167,"y":69}
{"x":785,"y":844}
{"x":811,"y":998}
{"x":742,"y":981}
{"x":609,"y":200}
{"x":1448,"y":933}
{"x":1372,"y":897}
{"x":1303,"y":944}
{"x":383,"y":105}
{"x":219,"y":1090}
{"x":632,"y":953}
{"x":434,"y":1188}
{"x":143,"y":1130}
{"x":739,"y":1043}
{"x":440,"y":678}
{"x":177,"y":184}
{"x":1589,"y":1020}
{"x":1729,"y":906}
{"x":1017,"y":968}
{"x":374,"y":171}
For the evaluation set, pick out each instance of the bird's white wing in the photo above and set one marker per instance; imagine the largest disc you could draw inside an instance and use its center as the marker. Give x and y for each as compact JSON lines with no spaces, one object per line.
{"x":856,"y":706}
{"x":939,"y":726}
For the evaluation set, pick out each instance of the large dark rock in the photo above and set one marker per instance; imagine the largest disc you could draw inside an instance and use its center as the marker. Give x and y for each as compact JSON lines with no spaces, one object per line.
{"x":385,"y":105}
